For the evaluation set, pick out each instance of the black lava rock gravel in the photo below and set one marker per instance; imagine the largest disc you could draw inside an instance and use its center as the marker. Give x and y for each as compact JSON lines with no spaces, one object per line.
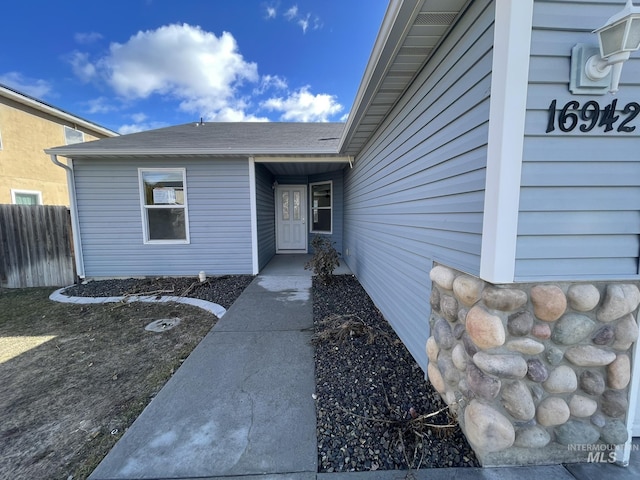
{"x":222,"y":290}
{"x":371,"y":394}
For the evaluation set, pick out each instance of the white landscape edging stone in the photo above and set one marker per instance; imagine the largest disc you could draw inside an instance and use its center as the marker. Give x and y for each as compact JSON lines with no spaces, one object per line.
{"x":217,"y":310}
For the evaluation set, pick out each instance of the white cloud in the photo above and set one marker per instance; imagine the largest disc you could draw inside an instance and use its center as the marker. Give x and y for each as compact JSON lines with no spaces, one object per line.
{"x":85,"y":38}
{"x":292,"y":13}
{"x":269,"y":82}
{"x":138,"y":117}
{"x":33,"y":87}
{"x":234,"y":115}
{"x":200,"y":69}
{"x":101,"y":105}
{"x":140,"y":127}
{"x":303,"y":106}
{"x":82,"y":67}
{"x":272,"y":12}
{"x":304,"y":23}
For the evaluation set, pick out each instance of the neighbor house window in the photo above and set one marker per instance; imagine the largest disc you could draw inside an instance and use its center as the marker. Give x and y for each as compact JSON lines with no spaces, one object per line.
{"x":26,"y":197}
{"x":72,"y":136}
{"x":321,"y":207}
{"x":164,"y":205}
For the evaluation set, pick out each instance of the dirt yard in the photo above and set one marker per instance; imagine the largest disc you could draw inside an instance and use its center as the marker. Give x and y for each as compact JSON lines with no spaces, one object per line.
{"x":75,"y":377}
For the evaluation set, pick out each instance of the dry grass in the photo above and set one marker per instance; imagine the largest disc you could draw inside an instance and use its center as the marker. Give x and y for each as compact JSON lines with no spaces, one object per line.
{"x":67,"y":399}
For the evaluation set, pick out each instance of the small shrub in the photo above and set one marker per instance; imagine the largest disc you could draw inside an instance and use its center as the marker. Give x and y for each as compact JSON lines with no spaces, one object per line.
{"x":325,"y":259}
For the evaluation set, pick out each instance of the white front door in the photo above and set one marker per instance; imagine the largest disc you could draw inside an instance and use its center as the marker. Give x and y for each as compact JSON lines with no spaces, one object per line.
{"x":291,"y":225}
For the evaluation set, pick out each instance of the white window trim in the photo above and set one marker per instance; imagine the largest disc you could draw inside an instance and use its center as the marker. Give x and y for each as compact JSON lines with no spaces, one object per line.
{"x":330,"y":207}
{"x":144,"y":208}
{"x":15,"y":192}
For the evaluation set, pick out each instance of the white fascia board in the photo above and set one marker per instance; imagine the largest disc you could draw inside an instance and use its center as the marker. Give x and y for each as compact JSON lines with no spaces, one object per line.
{"x":303,"y":159}
{"x":177,"y":152}
{"x":43,"y":107}
{"x":509,"y":82}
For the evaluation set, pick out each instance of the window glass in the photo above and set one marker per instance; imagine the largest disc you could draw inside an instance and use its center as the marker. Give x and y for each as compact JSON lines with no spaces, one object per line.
{"x":321,"y":206}
{"x":285,"y":205}
{"x":26,"y":199}
{"x":164,"y":205}
{"x":72,"y":136}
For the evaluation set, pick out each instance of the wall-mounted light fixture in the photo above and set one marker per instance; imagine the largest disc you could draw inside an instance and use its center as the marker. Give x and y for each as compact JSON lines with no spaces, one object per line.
{"x":595,"y":71}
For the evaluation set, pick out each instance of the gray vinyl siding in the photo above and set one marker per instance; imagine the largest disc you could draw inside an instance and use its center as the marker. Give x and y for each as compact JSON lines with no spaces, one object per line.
{"x":265,"y":210}
{"x":111,"y":221}
{"x":416,"y":192}
{"x":580,"y":192}
{"x":337,"y":179}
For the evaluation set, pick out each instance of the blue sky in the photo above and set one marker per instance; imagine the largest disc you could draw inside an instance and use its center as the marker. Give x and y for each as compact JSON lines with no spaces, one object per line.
{"x":132,"y":65}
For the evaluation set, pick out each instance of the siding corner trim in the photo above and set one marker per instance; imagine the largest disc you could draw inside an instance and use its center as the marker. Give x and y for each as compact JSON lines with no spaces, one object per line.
{"x":511,"y":51}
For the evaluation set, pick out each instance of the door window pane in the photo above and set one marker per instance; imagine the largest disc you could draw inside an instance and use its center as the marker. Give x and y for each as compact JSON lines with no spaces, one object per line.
{"x":296,"y":205}
{"x":285,"y":205}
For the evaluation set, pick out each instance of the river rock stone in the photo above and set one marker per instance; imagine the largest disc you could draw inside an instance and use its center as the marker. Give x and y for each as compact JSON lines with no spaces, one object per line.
{"x":614,"y":433}
{"x":459,"y":357}
{"x":509,"y":366}
{"x":588,"y":356}
{"x":443,"y":334}
{"x":552,"y":411}
{"x":469,"y":346}
{"x":591,"y":382}
{"x":463,"y":386}
{"x":462,"y":315}
{"x":434,"y":300}
{"x":435,"y":377}
{"x":526,"y":346}
{"x":619,"y":372}
{"x":626,"y":333}
{"x":517,"y":400}
{"x":485,"y":330}
{"x":448,"y":370}
{"x":549,"y":302}
{"x":531,"y":437}
{"x":603,"y":335}
{"x":449,"y":307}
{"x":442,"y":276}
{"x":458,"y":330}
{"x":536,"y":371}
{"x":483,"y":385}
{"x":614,"y":403}
{"x":583,"y":297}
{"x":572,"y":328}
{"x":487,"y":429}
{"x":468,"y":289}
{"x":520,"y":323}
{"x":619,"y":300}
{"x":598,"y":419}
{"x":561,"y":380}
{"x":541,"y":331}
{"x":504,"y":299}
{"x":554,"y":355}
{"x":432,"y":349}
{"x":581,"y":406}
{"x":574,"y":432}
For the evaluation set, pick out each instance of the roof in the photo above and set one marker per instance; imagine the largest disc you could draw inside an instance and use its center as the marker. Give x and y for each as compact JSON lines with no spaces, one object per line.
{"x":216,"y":138}
{"x":32,"y":102}
{"x":411,"y":31}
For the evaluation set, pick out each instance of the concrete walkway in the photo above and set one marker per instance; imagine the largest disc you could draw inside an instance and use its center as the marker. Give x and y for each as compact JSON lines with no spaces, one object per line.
{"x":241,"y":405}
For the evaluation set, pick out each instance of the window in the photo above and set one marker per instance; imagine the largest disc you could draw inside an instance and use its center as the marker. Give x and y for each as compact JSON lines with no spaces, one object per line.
{"x":26,"y":197}
{"x":72,"y":136}
{"x":164,"y":205}
{"x":321,"y":207}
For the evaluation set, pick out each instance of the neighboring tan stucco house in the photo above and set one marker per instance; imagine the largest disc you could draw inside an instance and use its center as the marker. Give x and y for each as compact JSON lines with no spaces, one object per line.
{"x":27,"y":127}
{"x":491,"y":214}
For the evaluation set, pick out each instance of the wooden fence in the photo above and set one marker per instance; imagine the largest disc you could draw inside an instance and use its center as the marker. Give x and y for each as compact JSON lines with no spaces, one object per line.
{"x":36,"y":246}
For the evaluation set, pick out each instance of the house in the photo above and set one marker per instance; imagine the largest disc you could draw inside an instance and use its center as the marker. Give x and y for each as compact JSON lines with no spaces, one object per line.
{"x":487,"y":200}
{"x":27,"y":126}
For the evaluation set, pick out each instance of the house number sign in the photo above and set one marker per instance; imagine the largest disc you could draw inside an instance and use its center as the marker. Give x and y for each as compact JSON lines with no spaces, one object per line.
{"x":590,"y":115}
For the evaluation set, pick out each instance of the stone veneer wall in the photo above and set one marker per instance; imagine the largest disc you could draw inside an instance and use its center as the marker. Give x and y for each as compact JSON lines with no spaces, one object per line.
{"x":534,"y":372}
